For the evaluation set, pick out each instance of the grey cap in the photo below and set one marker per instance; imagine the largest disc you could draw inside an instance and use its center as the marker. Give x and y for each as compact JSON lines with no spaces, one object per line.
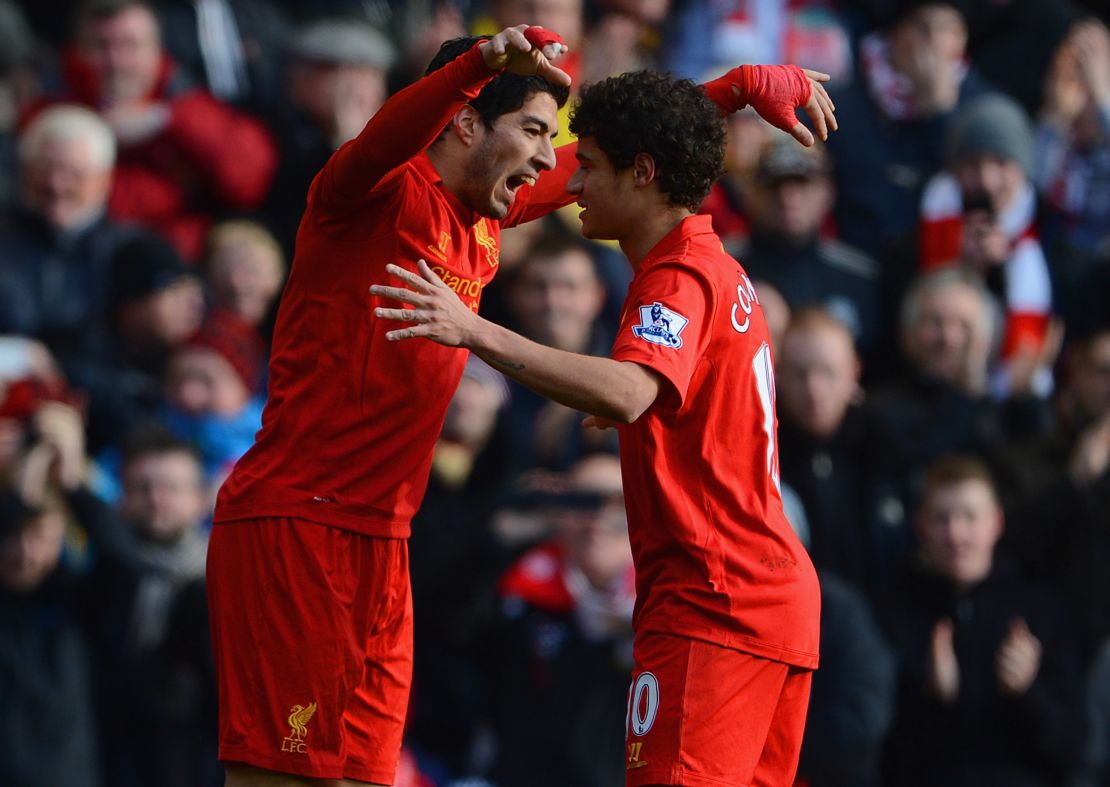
{"x":784,"y":157}
{"x":991,"y":124}
{"x":343,"y":42}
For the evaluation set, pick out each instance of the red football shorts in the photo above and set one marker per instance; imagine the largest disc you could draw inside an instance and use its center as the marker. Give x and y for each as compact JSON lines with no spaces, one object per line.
{"x":707,"y":716}
{"x":312,"y":634}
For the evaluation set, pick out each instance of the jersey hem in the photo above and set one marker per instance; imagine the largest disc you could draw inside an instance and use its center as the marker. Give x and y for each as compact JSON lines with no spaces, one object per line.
{"x":362,"y":524}
{"x":764,"y":650}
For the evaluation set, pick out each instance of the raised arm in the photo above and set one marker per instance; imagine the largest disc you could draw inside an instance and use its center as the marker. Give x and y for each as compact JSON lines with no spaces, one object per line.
{"x":412,"y":119}
{"x":617,"y":391}
{"x":776,"y":92}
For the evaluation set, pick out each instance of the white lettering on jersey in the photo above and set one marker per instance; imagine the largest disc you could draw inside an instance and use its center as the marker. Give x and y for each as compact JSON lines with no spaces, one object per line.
{"x":746,"y":299}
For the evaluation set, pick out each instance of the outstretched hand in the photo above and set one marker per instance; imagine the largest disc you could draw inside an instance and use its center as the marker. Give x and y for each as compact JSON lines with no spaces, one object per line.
{"x":526,"y":50}
{"x":776,"y":93}
{"x":434,"y":307}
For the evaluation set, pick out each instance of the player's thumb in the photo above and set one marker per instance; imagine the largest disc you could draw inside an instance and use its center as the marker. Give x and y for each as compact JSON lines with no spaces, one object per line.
{"x":552,"y":73}
{"x":802,"y":134}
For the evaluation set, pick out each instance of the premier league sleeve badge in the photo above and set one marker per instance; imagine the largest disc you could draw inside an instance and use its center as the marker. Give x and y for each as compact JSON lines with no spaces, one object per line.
{"x":660,"y":325}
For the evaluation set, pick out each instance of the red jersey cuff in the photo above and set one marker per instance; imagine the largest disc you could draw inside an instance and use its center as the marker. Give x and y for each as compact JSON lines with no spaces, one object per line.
{"x":471,"y":72}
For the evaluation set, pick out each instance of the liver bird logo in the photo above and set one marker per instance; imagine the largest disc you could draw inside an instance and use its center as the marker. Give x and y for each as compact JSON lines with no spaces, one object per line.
{"x":484,"y":238}
{"x":299,"y":716}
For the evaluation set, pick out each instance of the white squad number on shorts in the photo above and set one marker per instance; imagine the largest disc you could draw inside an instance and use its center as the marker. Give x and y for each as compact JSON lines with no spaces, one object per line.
{"x":643,"y":704}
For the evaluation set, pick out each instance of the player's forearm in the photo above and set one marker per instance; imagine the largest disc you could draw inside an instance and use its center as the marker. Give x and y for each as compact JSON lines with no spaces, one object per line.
{"x":409,"y":122}
{"x":611,"y":389}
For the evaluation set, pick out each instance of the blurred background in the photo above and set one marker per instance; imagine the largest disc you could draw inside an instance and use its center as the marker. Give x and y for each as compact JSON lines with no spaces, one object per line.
{"x":937,"y":281}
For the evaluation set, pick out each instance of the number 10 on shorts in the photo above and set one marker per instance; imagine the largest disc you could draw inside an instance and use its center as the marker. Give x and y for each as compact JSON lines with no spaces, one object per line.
{"x":643,"y":704}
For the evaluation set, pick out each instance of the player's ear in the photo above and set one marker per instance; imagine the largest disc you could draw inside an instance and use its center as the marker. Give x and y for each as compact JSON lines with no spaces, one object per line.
{"x":465,"y":124}
{"x":643,"y":169}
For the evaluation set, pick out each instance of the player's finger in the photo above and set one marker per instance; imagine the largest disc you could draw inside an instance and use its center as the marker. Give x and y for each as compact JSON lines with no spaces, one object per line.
{"x":802,"y":134}
{"x":816,"y":76}
{"x":515,"y":36}
{"x":403,"y":315}
{"x":555,"y":51}
{"x":552,"y":74}
{"x":817,"y":114}
{"x":396,"y":294}
{"x":824,"y":94}
{"x":408,"y":277}
{"x":429,"y":275}
{"x":413,"y":332}
{"x":824,"y":106}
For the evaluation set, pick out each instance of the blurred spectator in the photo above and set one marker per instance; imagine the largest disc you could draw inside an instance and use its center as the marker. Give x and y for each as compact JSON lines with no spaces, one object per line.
{"x":811,"y":33}
{"x":155,"y":305}
{"x":213,"y":387}
{"x":990,"y":685}
{"x":914,"y":75}
{"x":1097,"y":772}
{"x":982,"y":214}
{"x":728,"y":197}
{"x":157,"y":710}
{"x":184,"y":157}
{"x":948,"y":331}
{"x":560,"y":658}
{"x":1059,"y":490}
{"x":1073,"y":157}
{"x":227,"y":45}
{"x":556,"y":297}
{"x":56,"y":246}
{"x":51,"y":530}
{"x":566,"y":17}
{"x":46,"y":676}
{"x":455,"y":563}
{"x":791,"y":199}
{"x":335,"y":81}
{"x":19,"y":86}
{"x":852,"y":703}
{"x":1012,"y":42}
{"x":832,"y":451}
{"x":245,"y":269}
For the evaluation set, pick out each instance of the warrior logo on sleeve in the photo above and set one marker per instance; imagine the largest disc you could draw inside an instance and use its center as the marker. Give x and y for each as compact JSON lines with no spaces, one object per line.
{"x":660,"y":325}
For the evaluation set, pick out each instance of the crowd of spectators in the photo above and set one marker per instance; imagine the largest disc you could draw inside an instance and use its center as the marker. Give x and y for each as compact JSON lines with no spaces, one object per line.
{"x":937,"y":282}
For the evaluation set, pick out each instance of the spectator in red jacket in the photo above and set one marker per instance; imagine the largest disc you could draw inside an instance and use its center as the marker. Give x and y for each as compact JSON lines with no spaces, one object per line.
{"x":184,"y":157}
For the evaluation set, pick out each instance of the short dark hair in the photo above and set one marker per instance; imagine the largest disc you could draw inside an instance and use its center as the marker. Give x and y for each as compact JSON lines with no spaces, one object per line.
{"x":506,"y":93}
{"x":151,"y":439}
{"x":954,"y":469}
{"x":668,"y":118}
{"x":99,"y":10}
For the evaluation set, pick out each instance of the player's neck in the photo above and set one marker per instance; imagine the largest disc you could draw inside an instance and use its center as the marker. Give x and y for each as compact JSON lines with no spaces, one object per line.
{"x":651,"y":227}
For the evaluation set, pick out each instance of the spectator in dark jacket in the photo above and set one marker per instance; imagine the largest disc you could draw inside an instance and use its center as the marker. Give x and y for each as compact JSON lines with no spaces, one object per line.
{"x":156,"y":304}
{"x":852,"y":703}
{"x":990,"y":687}
{"x":1058,"y":489}
{"x":949,"y":328}
{"x":157,"y":706}
{"x":791,"y":198}
{"x":560,"y":657}
{"x":184,"y":157}
{"x":913,"y":75}
{"x":335,"y":81}
{"x":46,"y":677}
{"x":56,"y":245}
{"x":833,"y":454}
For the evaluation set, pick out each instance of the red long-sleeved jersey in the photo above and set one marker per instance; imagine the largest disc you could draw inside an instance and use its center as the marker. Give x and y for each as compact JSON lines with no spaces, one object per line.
{"x":351,"y":421}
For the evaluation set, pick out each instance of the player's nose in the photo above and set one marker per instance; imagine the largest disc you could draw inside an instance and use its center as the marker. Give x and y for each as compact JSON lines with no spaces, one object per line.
{"x":545,"y":157}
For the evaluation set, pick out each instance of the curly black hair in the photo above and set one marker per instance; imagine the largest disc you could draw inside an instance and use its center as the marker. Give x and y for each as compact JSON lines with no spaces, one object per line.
{"x":506,"y":93}
{"x":668,"y":118}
